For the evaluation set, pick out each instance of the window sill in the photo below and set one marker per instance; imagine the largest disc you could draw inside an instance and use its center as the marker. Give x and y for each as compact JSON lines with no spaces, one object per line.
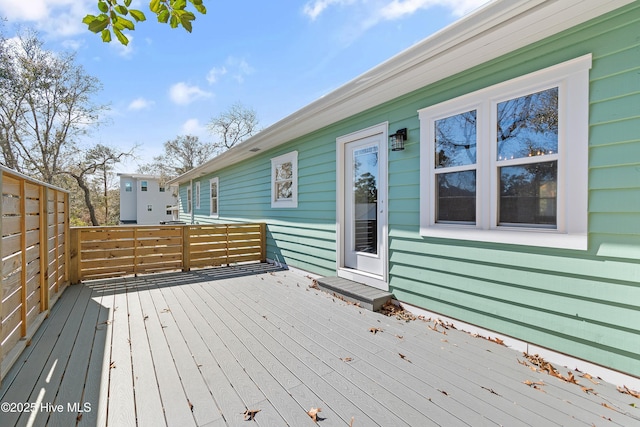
{"x":528,"y":237}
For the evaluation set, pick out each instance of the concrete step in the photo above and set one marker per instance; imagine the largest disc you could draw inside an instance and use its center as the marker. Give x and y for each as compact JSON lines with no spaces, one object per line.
{"x":368,"y":297}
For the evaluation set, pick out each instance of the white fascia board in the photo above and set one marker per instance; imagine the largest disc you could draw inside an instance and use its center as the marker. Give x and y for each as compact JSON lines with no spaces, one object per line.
{"x":498,"y":28}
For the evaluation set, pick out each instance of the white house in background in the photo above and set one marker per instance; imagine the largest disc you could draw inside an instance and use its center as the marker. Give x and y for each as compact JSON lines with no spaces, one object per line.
{"x":144,"y":201}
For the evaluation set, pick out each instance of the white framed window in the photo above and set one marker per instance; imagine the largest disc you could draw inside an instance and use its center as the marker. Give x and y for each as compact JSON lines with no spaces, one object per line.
{"x":198,"y":195}
{"x":144,"y":185}
{"x":284,"y":181}
{"x":214,"y":190}
{"x":168,"y":210}
{"x":509,"y":163}
{"x":189,"y":200}
{"x":128,"y":187}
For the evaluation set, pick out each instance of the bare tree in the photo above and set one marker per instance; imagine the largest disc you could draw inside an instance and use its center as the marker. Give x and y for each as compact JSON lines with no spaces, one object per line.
{"x":233,"y":126}
{"x":93,"y":167}
{"x":181,"y":154}
{"x":45,"y":105}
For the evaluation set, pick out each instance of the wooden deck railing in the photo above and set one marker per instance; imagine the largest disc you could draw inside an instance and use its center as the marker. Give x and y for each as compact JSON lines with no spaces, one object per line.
{"x":35,"y":265}
{"x":102,"y":252}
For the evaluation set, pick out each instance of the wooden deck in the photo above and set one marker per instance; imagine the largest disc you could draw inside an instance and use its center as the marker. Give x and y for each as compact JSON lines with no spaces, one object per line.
{"x":200,"y":348}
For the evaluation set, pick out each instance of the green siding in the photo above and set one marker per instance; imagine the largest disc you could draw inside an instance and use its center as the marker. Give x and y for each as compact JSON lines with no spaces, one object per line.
{"x":582,"y":303}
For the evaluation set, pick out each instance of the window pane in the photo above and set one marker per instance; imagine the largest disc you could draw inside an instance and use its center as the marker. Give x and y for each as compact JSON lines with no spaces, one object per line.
{"x":284,"y":171}
{"x":455,"y":143}
{"x":365,"y":199}
{"x":528,"y":126}
{"x":214,"y":205}
{"x":214,"y":189}
{"x":284,"y":190}
{"x":528,"y":194}
{"x":456,"y":197}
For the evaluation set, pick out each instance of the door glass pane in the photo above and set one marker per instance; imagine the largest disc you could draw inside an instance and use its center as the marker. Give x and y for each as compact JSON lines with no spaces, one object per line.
{"x":456,"y":197}
{"x":365,"y":191}
{"x":455,"y":143}
{"x":528,"y":126}
{"x":528,"y":194}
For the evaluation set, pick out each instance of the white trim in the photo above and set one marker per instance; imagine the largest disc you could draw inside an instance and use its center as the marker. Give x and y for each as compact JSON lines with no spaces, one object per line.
{"x":554,"y":357}
{"x":197,"y":195}
{"x":215,"y":214}
{"x":189,"y":199}
{"x":381,"y":281}
{"x":572,"y":80}
{"x":292,"y":158}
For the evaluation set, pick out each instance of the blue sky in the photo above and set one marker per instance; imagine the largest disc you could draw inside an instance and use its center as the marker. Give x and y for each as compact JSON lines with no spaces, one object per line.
{"x":272,"y":56}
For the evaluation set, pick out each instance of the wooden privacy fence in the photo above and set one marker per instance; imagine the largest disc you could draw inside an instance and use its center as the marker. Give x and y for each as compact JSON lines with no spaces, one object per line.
{"x":35,"y":233}
{"x":102,"y":252}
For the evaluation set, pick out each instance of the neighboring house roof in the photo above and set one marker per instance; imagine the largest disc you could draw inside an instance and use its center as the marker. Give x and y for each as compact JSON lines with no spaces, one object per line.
{"x":139,"y":176}
{"x":497,"y":28}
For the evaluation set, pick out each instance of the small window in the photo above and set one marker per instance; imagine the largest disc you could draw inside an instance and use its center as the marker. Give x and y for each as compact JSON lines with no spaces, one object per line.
{"x":189,"y":200}
{"x":144,"y":185}
{"x":128,"y":187}
{"x":198,"y":195}
{"x":284,"y":181}
{"x":213,"y":188}
{"x":149,"y":208}
{"x":162,"y":189}
{"x":168,"y":210}
{"x":508,"y":163}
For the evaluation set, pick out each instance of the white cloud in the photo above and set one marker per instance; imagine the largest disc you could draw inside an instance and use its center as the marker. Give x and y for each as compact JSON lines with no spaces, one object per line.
{"x":140,"y":104}
{"x":394,"y":9}
{"x":193,"y":127}
{"x":313,"y":9}
{"x":181,"y":93}
{"x":237,"y":68}
{"x":56,"y":17}
{"x":215,"y":73}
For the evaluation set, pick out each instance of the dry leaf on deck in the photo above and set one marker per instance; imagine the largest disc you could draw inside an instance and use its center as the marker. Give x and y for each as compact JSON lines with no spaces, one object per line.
{"x":250,"y":414}
{"x":588,"y":390}
{"x":346,"y":359}
{"x":626,"y":390}
{"x":403,"y":357}
{"x":571,"y":378}
{"x":375,"y":330}
{"x":313,"y":413}
{"x":351,"y":423}
{"x":590,"y":378}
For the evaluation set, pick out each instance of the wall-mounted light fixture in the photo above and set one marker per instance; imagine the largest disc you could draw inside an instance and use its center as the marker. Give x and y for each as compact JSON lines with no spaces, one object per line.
{"x":397,"y":139}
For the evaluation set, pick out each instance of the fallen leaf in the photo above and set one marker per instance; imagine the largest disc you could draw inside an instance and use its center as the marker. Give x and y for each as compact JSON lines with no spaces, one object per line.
{"x":375,"y":330}
{"x":588,"y":390}
{"x":571,"y":379}
{"x":399,"y":337}
{"x":346,"y":359}
{"x":498,"y":341}
{"x":531,"y":383}
{"x":403,"y":357}
{"x":590,"y":378}
{"x":606,"y":405}
{"x":626,"y":390}
{"x":313,"y":413}
{"x":490,"y":390}
{"x":443,"y":392}
{"x":250,"y":414}
{"x":112,"y":365}
{"x":351,"y":423}
{"x":190,"y":405}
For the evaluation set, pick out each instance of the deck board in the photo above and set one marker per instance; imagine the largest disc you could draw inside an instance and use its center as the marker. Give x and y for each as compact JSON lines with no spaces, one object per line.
{"x":255,"y":337}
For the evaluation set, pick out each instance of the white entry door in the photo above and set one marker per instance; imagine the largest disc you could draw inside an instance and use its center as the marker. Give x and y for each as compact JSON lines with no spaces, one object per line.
{"x":363,"y":241}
